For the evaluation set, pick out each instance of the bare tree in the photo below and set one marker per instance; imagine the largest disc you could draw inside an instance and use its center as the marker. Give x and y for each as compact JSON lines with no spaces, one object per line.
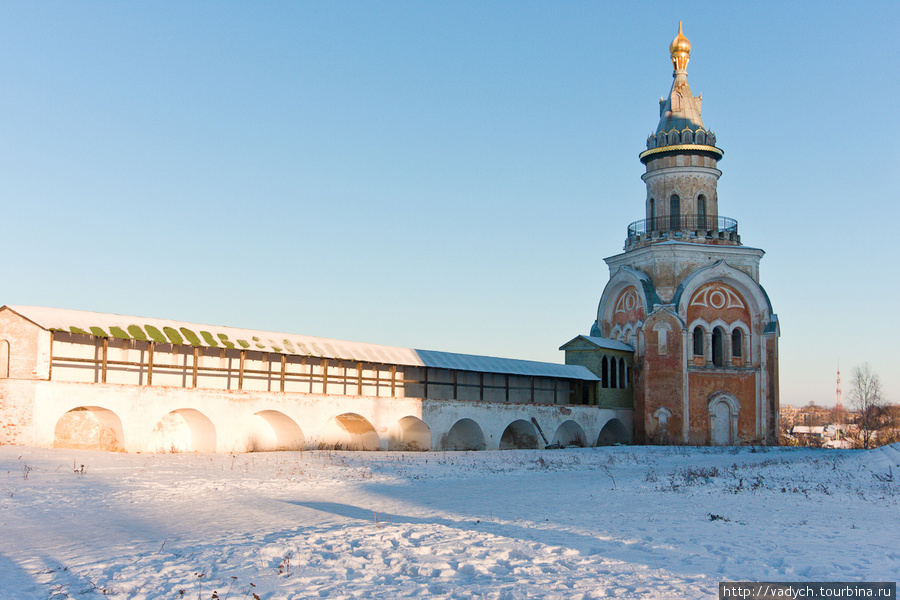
{"x":867,"y":399}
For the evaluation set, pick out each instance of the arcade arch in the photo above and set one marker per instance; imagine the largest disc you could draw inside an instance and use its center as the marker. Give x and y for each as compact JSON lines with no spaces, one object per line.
{"x":270,"y":430}
{"x":519,"y":435}
{"x":348,"y":431}
{"x":183,"y":430}
{"x":569,"y":433}
{"x":613,"y":433}
{"x":464,"y":435}
{"x":90,"y":428}
{"x":411,"y":434}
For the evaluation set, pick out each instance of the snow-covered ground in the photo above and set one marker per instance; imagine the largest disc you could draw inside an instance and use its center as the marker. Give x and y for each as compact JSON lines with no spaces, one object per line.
{"x":631,"y":522}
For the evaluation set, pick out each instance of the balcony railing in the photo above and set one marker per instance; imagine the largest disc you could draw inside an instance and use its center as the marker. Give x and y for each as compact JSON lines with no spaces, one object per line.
{"x":681,"y":225}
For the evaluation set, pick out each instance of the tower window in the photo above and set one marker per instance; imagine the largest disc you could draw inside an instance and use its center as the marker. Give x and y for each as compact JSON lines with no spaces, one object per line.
{"x":701,"y":212}
{"x":737,"y":343}
{"x":717,"y":347}
{"x":698,"y":341}
{"x":652,"y":225}
{"x":675,"y":212}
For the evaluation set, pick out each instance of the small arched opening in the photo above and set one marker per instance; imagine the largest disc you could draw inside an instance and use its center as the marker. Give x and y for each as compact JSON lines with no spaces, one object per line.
{"x":675,"y":212}
{"x":90,"y":428}
{"x":464,"y":435}
{"x":701,"y":212}
{"x":698,"y":334}
{"x":613,"y":433}
{"x":410,"y":434}
{"x":183,"y":430}
{"x":569,"y":433}
{"x":718,"y":347}
{"x":737,"y":344}
{"x":604,"y":370}
{"x":613,"y":372}
{"x":519,"y":435}
{"x":4,"y":359}
{"x":270,"y":430}
{"x":348,"y":431}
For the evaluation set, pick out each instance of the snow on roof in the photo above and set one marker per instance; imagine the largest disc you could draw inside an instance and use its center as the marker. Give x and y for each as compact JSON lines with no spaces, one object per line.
{"x":216,"y":336}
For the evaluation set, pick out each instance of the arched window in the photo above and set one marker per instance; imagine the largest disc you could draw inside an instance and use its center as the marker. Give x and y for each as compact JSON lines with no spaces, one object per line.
{"x":718,"y":339}
{"x":651,"y":226}
{"x":4,"y":359}
{"x":675,"y":212}
{"x":613,"y":371}
{"x":737,"y":343}
{"x":604,"y":372}
{"x":701,"y":213}
{"x":623,"y":379}
{"x":698,"y":341}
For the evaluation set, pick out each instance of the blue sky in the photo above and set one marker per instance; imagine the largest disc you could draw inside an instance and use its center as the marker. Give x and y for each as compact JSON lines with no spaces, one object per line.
{"x":444,"y":176}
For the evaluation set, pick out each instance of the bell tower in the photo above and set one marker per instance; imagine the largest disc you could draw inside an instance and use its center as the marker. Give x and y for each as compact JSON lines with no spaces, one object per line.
{"x":684,"y":297}
{"x":681,"y":169}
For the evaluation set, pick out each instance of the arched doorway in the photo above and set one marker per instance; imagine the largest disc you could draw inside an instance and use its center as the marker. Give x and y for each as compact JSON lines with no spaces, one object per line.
{"x":519,"y":435}
{"x":464,"y":435}
{"x":270,"y":430}
{"x":90,"y":428}
{"x":411,"y":434}
{"x":183,"y":430}
{"x":723,"y":419}
{"x":348,"y":431}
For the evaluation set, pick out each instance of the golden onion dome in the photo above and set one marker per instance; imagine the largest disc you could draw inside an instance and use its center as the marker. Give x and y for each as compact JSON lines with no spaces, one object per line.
{"x":680,"y":48}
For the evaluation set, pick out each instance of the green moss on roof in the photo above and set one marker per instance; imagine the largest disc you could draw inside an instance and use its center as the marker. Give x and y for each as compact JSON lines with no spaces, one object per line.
{"x":258,"y":344}
{"x":289,"y":346}
{"x":244,"y":343}
{"x":118,"y":332}
{"x":225,"y":341}
{"x":98,"y":332}
{"x":191,"y":337}
{"x":137,"y":333}
{"x":209,"y":338}
{"x":78,"y":330}
{"x":276,"y":349}
{"x":155,"y":334}
{"x":173,"y":335}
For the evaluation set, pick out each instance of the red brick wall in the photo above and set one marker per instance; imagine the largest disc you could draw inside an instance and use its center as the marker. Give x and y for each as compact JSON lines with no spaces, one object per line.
{"x":703,"y":385}
{"x":664,"y":371}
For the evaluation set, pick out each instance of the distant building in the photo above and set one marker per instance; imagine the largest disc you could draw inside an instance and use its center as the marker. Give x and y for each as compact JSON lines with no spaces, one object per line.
{"x":685,"y":297}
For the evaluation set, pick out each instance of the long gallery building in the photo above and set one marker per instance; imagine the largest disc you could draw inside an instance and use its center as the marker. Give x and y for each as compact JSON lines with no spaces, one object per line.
{"x":683,"y":350}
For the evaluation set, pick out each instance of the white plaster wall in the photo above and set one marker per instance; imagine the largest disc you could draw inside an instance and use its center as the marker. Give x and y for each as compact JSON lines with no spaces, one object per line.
{"x":140,"y":408}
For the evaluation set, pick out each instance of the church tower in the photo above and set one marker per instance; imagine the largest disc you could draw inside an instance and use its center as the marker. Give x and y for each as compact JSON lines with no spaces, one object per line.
{"x":685,"y":295}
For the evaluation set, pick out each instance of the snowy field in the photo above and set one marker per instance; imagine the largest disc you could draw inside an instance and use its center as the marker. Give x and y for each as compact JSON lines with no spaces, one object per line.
{"x":624,"y":522}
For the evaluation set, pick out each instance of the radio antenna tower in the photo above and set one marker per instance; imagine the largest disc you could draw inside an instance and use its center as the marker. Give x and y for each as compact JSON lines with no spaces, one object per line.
{"x":838,"y":403}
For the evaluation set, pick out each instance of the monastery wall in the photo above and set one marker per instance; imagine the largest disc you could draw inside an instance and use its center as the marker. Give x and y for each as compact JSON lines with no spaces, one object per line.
{"x":119,"y":417}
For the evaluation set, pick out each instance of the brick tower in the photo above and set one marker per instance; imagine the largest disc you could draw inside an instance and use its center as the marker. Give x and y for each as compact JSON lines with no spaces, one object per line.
{"x":685,"y":294}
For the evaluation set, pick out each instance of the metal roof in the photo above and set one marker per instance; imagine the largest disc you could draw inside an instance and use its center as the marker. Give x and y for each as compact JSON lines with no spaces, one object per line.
{"x":216,"y":336}
{"x":602,"y":342}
